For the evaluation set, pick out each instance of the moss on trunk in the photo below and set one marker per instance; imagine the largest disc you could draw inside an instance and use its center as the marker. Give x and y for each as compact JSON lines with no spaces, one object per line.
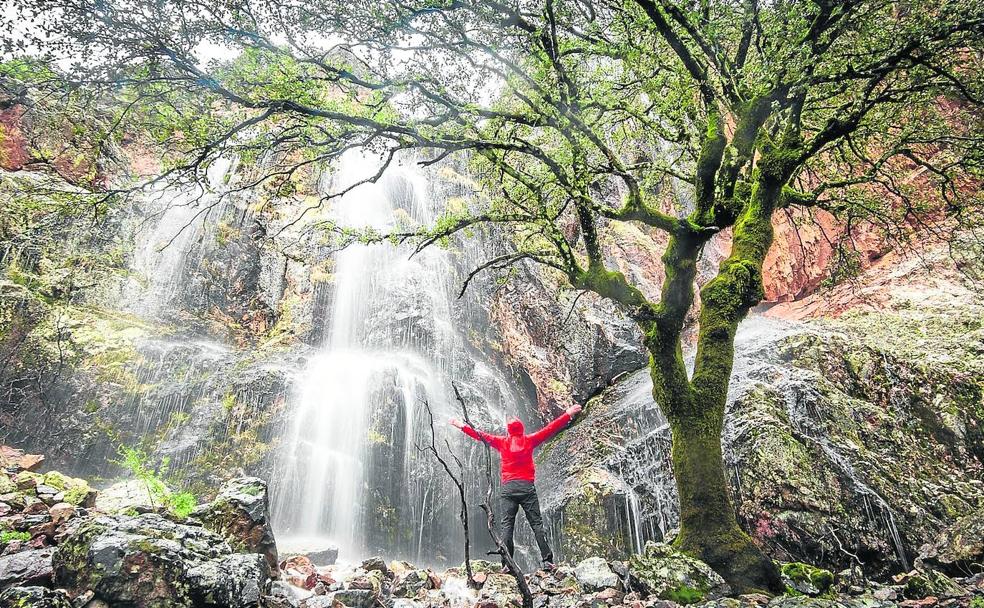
{"x":709,"y":530}
{"x":695,"y":407}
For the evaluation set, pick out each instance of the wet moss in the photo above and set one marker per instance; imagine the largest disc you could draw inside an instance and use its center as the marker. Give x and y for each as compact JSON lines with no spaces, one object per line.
{"x":798,"y":572}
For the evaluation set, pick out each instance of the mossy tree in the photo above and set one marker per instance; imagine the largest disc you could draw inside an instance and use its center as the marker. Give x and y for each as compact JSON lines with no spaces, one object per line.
{"x":690,"y":118}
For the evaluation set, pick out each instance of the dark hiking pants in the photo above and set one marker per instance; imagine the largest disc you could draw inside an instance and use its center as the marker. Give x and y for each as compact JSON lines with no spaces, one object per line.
{"x":512,"y":496}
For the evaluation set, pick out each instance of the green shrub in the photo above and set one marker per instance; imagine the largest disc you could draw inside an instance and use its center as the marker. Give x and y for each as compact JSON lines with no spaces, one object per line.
{"x":137,"y":462}
{"x":9,"y":536}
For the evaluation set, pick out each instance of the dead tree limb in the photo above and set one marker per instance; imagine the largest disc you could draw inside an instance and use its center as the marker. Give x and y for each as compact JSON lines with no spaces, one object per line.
{"x":502,"y":551}
{"x":463,"y":512}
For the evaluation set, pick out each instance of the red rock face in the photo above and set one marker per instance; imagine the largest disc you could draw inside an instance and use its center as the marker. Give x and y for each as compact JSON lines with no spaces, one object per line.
{"x":23,"y":143}
{"x":13,"y":144}
{"x":805,"y":252}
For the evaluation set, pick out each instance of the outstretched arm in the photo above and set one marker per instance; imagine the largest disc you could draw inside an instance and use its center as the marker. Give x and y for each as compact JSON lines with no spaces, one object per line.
{"x":555,"y":426}
{"x":492,"y":440}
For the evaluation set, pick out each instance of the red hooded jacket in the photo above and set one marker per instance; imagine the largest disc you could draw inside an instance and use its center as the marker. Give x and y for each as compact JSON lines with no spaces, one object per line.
{"x":516,"y":449}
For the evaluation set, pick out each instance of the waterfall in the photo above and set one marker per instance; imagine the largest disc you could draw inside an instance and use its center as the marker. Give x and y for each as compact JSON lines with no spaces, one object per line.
{"x":177,"y":218}
{"x":349,"y":471}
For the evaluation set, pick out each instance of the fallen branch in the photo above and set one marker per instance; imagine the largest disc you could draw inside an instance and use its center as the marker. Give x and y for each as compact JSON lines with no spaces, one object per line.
{"x":463,"y":512}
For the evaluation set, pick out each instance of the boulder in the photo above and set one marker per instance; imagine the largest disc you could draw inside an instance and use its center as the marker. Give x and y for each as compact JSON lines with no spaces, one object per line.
{"x":324,"y":557}
{"x":320,"y":554}
{"x":926,"y":583}
{"x":241,"y":514}
{"x":806,"y":579}
{"x":352,"y":598}
{"x":61,"y":512}
{"x":501,"y":589}
{"x":233,"y":580}
{"x":122,"y":496}
{"x":280,"y":595}
{"x":16,"y":459}
{"x":407,"y":584}
{"x":803,"y":601}
{"x":594,"y":573}
{"x":667,"y":574}
{"x":34,"y":597}
{"x":148,"y":561}
{"x":377,"y":564}
{"x":959,"y":548}
{"x":31,"y":567}
{"x":300,"y":572}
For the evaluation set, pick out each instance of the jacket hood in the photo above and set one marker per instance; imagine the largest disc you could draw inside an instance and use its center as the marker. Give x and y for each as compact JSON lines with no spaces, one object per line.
{"x":515,"y":426}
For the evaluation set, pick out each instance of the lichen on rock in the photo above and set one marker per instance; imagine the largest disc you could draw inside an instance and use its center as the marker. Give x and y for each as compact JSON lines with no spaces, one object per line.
{"x":667,"y":574}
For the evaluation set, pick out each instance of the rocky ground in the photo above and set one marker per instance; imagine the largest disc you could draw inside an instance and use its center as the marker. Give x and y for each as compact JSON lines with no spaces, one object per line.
{"x":58,"y":549}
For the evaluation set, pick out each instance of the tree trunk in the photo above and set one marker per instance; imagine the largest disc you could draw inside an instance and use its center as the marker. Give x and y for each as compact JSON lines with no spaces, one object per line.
{"x":709,"y":530}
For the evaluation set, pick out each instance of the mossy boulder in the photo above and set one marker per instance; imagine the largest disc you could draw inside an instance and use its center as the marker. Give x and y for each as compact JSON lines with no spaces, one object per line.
{"x":665,"y":573}
{"x":148,"y":561}
{"x":7,"y":485}
{"x":75,"y":491}
{"x":241,"y":514}
{"x":501,"y":589}
{"x":34,"y":597}
{"x":807,"y":579}
{"x":925,"y":583}
{"x":959,"y":548}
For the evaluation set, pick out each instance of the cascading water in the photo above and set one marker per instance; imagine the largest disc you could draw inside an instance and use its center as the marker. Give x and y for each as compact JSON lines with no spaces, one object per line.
{"x":179,"y":378}
{"x":350,"y":472}
{"x":177,"y":217}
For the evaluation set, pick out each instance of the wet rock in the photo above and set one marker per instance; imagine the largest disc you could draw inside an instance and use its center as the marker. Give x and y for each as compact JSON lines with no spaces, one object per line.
{"x":753,"y":599}
{"x":67,"y":489}
{"x":323,"y":557}
{"x":11,"y":457}
{"x":959,"y":548}
{"x":920,"y":584}
{"x":594,"y":573}
{"x":354,"y":598}
{"x":32,"y":567}
{"x":299,"y":571}
{"x":667,"y":574}
{"x":34,"y":597}
{"x":409,"y":583}
{"x":149,"y":561}
{"x":280,"y":595}
{"x":123,"y":495}
{"x":27,"y":481}
{"x":608,"y":596}
{"x":501,"y":589}
{"x":824,"y":431}
{"x":35,"y":508}
{"x":807,"y":579}
{"x":61,"y":512}
{"x":241,"y":513}
{"x":842,"y":602}
{"x":377,"y":564}
{"x":233,"y":580}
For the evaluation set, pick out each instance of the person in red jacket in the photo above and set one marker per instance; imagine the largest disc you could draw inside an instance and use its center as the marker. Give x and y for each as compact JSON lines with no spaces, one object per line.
{"x":518,"y":474}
